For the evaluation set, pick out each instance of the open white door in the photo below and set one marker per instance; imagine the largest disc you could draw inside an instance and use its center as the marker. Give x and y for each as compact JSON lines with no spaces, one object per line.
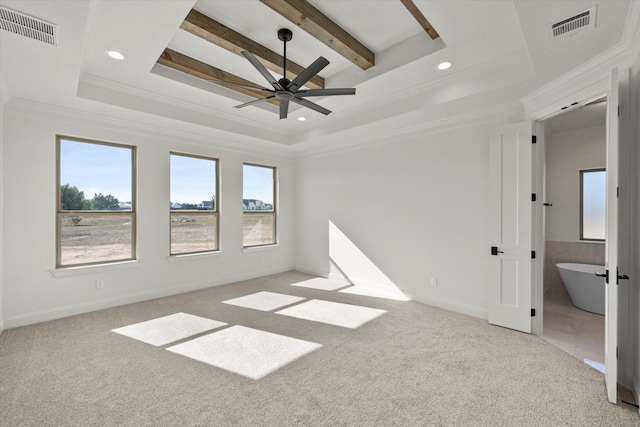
{"x":611,"y":250}
{"x":510,"y":179}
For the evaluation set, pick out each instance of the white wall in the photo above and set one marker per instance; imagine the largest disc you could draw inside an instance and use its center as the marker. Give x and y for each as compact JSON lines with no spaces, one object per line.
{"x":566,"y":154}
{"x":416,"y":206}
{"x":4,"y":98}
{"x":634,"y":283}
{"x":32,"y":293}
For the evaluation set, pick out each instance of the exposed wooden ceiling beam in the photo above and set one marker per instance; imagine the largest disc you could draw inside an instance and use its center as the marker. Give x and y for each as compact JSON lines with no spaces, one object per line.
{"x":424,"y":22}
{"x":316,"y":23}
{"x":217,"y":33}
{"x":178,"y":61}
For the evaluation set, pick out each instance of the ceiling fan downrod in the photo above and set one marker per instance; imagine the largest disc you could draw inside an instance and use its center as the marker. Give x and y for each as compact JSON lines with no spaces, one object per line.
{"x":285,"y":35}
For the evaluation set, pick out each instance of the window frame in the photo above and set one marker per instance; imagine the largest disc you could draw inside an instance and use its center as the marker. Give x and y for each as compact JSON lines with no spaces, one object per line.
{"x":60,"y":214}
{"x":195,"y":212}
{"x":582,"y":174}
{"x":273,"y":211}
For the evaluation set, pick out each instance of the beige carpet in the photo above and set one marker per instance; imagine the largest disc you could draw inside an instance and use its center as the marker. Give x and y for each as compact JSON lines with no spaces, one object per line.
{"x":413,"y":365}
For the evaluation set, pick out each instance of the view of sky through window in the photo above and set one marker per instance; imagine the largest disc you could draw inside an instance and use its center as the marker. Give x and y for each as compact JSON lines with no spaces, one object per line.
{"x":257,"y":183}
{"x":96,"y":169}
{"x":193,"y":179}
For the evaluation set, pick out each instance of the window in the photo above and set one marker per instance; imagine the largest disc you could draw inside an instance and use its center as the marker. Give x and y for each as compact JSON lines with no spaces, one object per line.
{"x":593,"y":198}
{"x":258,"y":205}
{"x":96,"y":207}
{"x":194,"y":204}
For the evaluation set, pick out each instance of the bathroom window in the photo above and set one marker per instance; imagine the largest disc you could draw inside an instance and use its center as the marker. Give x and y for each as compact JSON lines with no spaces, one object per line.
{"x":593,"y":198}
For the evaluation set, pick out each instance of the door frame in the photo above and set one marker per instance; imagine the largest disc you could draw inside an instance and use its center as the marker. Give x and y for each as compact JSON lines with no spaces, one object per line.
{"x":561,"y":103}
{"x":556,"y":106}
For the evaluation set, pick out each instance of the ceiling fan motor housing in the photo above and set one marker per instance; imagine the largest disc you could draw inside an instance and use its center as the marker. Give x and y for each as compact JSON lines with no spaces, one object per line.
{"x":285,"y":34}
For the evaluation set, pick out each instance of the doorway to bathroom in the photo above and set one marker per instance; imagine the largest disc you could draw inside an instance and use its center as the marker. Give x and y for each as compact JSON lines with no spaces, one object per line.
{"x":574,"y":229}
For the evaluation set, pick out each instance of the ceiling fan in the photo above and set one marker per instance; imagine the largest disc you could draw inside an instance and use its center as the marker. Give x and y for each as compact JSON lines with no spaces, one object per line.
{"x":289,"y":91}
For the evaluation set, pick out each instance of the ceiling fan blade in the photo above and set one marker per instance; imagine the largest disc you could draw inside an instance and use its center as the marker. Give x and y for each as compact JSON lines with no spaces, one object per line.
{"x":326,"y":92}
{"x":311,"y":105}
{"x":255,"y":101}
{"x":307,"y":73}
{"x":261,"y":68}
{"x":284,"y":108}
{"x":223,"y":83}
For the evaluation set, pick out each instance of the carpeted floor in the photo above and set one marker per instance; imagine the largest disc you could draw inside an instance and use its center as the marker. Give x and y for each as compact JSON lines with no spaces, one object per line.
{"x":409,"y":365}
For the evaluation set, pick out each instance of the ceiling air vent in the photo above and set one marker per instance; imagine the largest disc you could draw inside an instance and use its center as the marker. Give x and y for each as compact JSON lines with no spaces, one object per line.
{"x":581,"y":22}
{"x":28,"y":26}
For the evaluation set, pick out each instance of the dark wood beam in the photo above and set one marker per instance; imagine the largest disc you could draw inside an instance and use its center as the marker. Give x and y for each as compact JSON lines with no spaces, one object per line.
{"x":316,"y":23}
{"x":178,"y":61}
{"x":424,"y":22}
{"x":218,"y":34}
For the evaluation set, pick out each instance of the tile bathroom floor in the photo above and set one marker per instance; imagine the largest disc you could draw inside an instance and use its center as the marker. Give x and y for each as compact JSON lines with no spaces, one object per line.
{"x":575,"y":331}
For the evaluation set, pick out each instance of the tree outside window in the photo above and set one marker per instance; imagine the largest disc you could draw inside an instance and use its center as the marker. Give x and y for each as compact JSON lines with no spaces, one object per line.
{"x":95,"y":204}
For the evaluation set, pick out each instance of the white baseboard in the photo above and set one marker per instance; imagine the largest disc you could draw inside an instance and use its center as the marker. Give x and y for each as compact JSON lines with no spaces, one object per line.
{"x":469,"y":310}
{"x":338,"y":278}
{"x":635,"y":389}
{"x":75,"y":309}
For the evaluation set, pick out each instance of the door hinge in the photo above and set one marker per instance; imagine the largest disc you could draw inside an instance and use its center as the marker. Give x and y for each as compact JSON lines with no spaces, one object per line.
{"x":616,"y":352}
{"x":533,"y":312}
{"x":618,"y":192}
{"x":533,"y":254}
{"x":534,"y":139}
{"x":533,"y":197}
{"x":618,"y":111}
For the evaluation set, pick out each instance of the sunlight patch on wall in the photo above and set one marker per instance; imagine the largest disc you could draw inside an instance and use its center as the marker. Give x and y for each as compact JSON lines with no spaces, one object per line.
{"x":357,"y":268}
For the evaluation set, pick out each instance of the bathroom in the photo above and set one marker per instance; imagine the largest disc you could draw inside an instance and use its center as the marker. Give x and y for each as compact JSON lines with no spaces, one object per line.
{"x":575,"y":159}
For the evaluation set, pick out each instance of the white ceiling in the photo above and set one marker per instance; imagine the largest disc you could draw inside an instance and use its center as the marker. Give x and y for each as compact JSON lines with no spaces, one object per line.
{"x":493,"y":44}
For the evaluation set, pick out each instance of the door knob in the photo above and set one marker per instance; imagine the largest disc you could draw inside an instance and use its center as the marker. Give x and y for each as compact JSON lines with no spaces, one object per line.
{"x":495,"y":251}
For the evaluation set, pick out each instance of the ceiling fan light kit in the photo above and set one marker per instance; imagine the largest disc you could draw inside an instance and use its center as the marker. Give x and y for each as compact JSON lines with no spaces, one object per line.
{"x":285,"y":90}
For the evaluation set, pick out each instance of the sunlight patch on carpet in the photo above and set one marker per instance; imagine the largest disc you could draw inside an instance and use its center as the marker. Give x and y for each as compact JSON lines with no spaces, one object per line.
{"x":264,"y":301}
{"x":320,"y":283}
{"x":245,"y":351}
{"x":168,"y":329}
{"x":333,"y":313}
{"x":363,"y":291}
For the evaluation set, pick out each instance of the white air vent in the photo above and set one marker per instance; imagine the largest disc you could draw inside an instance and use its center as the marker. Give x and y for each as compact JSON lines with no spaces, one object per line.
{"x":28,"y":26}
{"x":579,"y":23}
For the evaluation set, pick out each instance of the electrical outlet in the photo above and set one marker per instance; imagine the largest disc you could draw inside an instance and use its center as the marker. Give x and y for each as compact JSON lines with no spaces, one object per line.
{"x":434,"y":282}
{"x":99,"y":284}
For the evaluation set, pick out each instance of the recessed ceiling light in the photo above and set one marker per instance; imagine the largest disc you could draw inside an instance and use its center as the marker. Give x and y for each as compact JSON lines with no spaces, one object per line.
{"x":115,"y":54}
{"x":444,"y":65}
{"x":302,"y":119}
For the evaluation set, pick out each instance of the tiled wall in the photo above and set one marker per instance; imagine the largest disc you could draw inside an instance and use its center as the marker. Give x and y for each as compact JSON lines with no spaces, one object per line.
{"x":557,"y":252}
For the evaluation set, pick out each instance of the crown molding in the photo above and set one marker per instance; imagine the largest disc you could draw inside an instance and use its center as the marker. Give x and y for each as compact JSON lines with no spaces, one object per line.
{"x":501,"y":114}
{"x":123,"y":96}
{"x":243,"y":145}
{"x":5,"y":95}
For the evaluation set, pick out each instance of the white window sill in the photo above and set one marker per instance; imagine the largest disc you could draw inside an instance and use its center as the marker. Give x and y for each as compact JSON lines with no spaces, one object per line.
{"x":92,"y":269}
{"x":260,"y":248}
{"x":193,"y":257}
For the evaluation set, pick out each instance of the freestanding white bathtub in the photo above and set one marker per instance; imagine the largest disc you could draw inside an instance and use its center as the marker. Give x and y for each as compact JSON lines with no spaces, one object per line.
{"x":585,"y":288}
